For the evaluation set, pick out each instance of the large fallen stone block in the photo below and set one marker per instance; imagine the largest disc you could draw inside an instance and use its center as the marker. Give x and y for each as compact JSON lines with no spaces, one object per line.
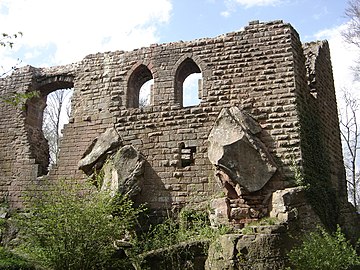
{"x":253,"y":251}
{"x":99,"y":150}
{"x":123,"y":172}
{"x":235,"y":149}
{"x":290,"y":206}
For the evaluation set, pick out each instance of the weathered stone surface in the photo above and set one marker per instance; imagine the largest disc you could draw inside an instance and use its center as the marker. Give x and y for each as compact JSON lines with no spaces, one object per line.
{"x":219,"y":211}
{"x":4,"y":212}
{"x":236,"y":151}
{"x":222,"y":253}
{"x":99,"y":149}
{"x":263,"y":68}
{"x":123,"y":171}
{"x":255,"y":251}
{"x":187,"y":255}
{"x":290,"y":205}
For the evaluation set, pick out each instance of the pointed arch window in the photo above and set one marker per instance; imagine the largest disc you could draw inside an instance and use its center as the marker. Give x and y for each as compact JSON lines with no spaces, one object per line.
{"x":138,"y":78}
{"x":188,"y":83}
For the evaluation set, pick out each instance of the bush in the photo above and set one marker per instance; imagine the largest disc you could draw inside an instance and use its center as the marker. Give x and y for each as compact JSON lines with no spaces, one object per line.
{"x":11,"y":261}
{"x":180,"y":242}
{"x":191,"y":225}
{"x":321,"y":250}
{"x":68,"y":228}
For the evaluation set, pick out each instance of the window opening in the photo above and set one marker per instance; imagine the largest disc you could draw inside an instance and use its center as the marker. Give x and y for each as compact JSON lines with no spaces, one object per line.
{"x":145,"y":93}
{"x":187,"y":155}
{"x":188,"y":83}
{"x":191,"y":89}
{"x":140,"y":76}
{"x":56,"y":114}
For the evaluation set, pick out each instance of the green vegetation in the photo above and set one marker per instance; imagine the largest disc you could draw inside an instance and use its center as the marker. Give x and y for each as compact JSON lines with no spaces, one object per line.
{"x":11,"y":261}
{"x":321,"y":250}
{"x":316,"y":176}
{"x":191,"y":225}
{"x":249,"y":228}
{"x":69,"y":228}
{"x":175,"y":241}
{"x":19,"y":99}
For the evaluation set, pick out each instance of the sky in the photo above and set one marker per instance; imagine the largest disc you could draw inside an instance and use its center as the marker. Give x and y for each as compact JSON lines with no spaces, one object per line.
{"x":62,"y":32}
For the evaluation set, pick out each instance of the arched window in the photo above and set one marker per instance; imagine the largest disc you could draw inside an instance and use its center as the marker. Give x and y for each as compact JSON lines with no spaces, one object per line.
{"x":56,"y":115}
{"x":188,"y":83}
{"x":45,"y":117}
{"x":138,"y":78}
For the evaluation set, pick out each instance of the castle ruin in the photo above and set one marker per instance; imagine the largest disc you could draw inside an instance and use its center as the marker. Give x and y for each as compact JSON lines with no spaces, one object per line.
{"x":267,"y":111}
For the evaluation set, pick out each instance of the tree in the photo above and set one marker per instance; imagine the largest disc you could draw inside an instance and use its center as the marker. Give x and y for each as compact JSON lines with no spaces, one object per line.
{"x":352,"y":33}
{"x":349,"y":124}
{"x":7,"y":40}
{"x":56,"y":114}
{"x":14,"y":99}
{"x":350,"y":133}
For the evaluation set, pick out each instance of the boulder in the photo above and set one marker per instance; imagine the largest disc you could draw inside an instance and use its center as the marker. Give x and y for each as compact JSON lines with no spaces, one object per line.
{"x":290,"y":206}
{"x":235,"y":149}
{"x":123,"y":172}
{"x":253,"y":251}
{"x":99,"y":150}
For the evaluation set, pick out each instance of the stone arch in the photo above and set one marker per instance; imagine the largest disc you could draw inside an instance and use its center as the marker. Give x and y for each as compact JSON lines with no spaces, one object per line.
{"x":34,"y":114}
{"x":138,"y":75}
{"x":184,"y":67}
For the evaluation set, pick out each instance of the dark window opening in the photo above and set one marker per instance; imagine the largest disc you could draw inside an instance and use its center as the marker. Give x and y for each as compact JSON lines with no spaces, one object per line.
{"x":140,"y":76}
{"x":187,"y":155}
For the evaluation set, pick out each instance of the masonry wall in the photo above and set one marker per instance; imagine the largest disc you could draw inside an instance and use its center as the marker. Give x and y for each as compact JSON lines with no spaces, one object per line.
{"x":260,"y":70}
{"x":321,"y":84}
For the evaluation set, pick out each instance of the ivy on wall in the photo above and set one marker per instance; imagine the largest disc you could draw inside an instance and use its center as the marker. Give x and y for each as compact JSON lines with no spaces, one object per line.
{"x":316,"y":168}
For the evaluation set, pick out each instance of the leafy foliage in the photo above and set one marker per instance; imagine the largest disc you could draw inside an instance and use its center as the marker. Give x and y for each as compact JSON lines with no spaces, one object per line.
{"x":316,"y":173}
{"x":191,"y":225}
{"x":321,"y":250}
{"x":176,"y":239}
{"x":6,"y":40}
{"x":19,"y":99}
{"x":9,"y":261}
{"x":249,"y":228}
{"x":69,"y":228}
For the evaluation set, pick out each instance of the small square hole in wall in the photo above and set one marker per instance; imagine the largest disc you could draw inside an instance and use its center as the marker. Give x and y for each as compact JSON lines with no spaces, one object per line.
{"x":187,"y":155}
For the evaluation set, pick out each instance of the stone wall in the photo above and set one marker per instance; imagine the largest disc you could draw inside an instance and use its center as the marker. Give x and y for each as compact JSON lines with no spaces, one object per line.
{"x":262,"y":70}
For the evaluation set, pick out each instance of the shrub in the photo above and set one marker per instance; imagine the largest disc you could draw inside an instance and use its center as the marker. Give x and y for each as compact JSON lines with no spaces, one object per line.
{"x":191,"y":225}
{"x":68,"y":228}
{"x":180,"y":242}
{"x":321,"y":250}
{"x":11,"y":261}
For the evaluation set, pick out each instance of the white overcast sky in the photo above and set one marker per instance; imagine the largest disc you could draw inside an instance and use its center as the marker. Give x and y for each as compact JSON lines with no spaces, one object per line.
{"x":61,"y":32}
